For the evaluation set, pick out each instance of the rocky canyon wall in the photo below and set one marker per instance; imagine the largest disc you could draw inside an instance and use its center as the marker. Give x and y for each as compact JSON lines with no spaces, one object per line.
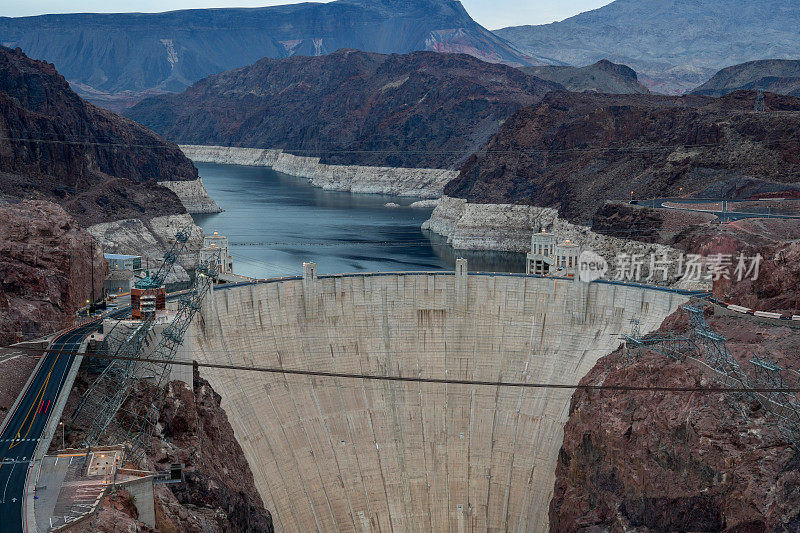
{"x":150,"y":239}
{"x":45,"y":269}
{"x":655,"y":461}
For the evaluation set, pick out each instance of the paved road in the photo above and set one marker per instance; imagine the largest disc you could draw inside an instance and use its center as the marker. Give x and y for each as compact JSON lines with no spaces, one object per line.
{"x":25,"y":426}
{"x":658,"y":203}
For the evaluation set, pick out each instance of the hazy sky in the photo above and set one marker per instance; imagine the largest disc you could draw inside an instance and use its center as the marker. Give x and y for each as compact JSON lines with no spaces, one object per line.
{"x":491,"y":13}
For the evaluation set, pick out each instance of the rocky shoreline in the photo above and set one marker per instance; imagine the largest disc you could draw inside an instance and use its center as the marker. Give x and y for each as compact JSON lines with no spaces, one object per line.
{"x":193,"y":195}
{"x":508,"y":228}
{"x":414,"y":182}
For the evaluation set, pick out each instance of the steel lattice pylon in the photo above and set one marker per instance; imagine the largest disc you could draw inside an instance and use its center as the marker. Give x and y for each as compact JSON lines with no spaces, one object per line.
{"x":784,"y":405}
{"x":709,"y":346}
{"x":101,"y":402}
{"x":676,"y":347}
{"x":144,"y":419}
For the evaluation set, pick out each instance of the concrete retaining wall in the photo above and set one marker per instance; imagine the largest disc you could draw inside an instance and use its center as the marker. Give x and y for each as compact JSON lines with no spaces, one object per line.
{"x":334,"y":454}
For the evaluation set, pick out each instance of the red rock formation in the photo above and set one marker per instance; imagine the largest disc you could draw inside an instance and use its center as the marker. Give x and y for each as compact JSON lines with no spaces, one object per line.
{"x":660,"y":461}
{"x":218,"y":494}
{"x":218,"y":485}
{"x":45,"y":269}
{"x":777,"y":287}
{"x":117,"y":512}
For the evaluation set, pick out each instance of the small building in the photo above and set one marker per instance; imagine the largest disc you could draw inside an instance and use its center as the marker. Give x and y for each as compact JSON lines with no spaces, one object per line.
{"x":541,"y":258}
{"x":119,"y":282}
{"x":147,"y":301}
{"x":124,"y":262}
{"x":211,"y":245}
{"x":567,"y":257}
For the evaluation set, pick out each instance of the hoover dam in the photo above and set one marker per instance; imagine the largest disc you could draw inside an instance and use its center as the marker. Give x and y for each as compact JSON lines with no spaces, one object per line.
{"x":344,"y":454}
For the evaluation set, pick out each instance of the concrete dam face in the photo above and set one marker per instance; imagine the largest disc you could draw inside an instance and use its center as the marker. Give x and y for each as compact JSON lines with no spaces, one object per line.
{"x":343,"y":454}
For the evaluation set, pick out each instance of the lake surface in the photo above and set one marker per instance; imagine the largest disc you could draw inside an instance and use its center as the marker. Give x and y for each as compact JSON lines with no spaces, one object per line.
{"x":274,"y":222}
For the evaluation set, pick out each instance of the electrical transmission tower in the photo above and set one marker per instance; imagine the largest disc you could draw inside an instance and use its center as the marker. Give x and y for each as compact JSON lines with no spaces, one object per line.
{"x":673,"y":346}
{"x":142,"y":420}
{"x":101,"y":402}
{"x":762,"y":383}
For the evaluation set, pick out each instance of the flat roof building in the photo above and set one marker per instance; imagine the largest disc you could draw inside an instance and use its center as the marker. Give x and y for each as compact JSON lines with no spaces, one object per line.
{"x":567,"y":254}
{"x":124,"y":262}
{"x":541,"y":258}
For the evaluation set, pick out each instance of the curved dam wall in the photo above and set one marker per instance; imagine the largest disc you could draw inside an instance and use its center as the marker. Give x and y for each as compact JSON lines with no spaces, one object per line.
{"x":343,"y":454}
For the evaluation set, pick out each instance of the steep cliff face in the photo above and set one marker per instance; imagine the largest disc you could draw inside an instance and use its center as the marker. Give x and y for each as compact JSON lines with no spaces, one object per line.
{"x":116,"y":59}
{"x":217,"y":494}
{"x":777,"y":287}
{"x":150,"y":238}
{"x":601,"y":77}
{"x":418,"y":110}
{"x":676,"y":44}
{"x":666,"y":461}
{"x":780,"y":76}
{"x":96,"y":164}
{"x":218,"y":484}
{"x":45,"y":269}
{"x":575,"y":151}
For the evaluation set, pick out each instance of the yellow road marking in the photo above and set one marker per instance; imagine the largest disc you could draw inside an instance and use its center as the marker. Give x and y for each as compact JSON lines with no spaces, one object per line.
{"x":37,"y":402}
{"x":39,"y":396}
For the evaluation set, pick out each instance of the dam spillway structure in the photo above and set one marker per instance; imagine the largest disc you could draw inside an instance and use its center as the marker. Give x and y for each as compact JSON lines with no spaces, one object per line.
{"x":344,"y":454}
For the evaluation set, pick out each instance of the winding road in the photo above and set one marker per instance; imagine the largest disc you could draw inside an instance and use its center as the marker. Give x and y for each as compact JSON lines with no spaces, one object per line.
{"x":24,"y":427}
{"x":723,"y":215}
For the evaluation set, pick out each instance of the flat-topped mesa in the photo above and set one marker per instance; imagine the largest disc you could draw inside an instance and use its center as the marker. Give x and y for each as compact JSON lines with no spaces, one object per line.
{"x":331,"y":454}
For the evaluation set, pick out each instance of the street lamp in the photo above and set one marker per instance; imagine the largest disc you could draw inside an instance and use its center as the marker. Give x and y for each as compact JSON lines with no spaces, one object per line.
{"x":62,"y":434}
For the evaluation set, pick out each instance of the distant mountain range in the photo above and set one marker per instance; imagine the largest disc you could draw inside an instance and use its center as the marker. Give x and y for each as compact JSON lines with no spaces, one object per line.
{"x":674,"y":45}
{"x":601,"y":77}
{"x":423,"y":109}
{"x":115,"y":59}
{"x":780,"y":76}
{"x":98,"y":165}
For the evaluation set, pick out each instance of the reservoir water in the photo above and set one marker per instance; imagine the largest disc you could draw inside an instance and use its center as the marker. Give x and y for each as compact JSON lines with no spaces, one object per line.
{"x":274,"y":222}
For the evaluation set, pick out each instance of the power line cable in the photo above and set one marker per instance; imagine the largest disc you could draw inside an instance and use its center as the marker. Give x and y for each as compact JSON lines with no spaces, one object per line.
{"x":449,"y":381}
